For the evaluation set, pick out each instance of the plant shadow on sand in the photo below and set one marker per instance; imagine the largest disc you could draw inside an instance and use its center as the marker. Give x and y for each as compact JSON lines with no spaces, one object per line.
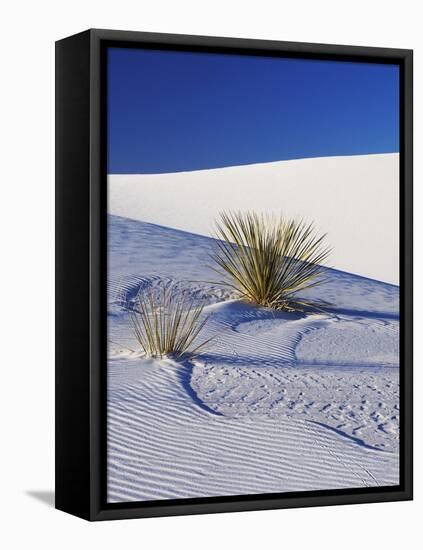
{"x":362,"y":313}
{"x":235,"y":313}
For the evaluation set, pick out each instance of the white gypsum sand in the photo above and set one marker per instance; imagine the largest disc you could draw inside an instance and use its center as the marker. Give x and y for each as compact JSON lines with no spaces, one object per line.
{"x":354,"y":199}
{"x":277,"y":402}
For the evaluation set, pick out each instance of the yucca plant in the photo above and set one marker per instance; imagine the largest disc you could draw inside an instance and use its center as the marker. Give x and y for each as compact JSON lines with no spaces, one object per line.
{"x":168,"y":323}
{"x":267,"y":259}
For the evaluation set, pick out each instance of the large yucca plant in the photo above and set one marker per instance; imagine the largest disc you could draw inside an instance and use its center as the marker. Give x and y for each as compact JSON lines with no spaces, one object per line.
{"x":267,"y":259}
{"x":167,"y":322}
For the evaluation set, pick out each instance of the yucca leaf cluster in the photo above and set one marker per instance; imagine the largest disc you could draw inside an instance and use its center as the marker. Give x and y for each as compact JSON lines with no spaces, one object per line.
{"x":167,"y":322}
{"x":267,"y":259}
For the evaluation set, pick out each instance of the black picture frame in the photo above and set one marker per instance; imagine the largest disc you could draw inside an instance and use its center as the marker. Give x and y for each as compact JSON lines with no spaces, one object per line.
{"x":81,"y":272}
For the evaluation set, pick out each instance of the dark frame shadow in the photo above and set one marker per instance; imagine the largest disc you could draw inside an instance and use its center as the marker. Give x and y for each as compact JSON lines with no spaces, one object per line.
{"x":46,"y":497}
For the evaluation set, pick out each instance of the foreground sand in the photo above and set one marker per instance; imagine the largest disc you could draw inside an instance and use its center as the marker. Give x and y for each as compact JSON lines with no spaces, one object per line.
{"x":278,"y":402}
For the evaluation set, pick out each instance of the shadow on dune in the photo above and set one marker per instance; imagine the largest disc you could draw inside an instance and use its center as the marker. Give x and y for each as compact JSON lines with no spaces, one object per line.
{"x":256,"y":361}
{"x":184,"y":373}
{"x":245,"y":360}
{"x":382,"y":315}
{"x":356,"y":440}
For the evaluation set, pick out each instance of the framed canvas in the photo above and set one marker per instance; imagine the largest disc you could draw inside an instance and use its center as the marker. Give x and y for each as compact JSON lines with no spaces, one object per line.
{"x":234,"y":274}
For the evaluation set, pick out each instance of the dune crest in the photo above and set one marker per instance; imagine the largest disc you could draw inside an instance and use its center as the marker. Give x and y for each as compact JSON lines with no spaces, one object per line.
{"x":353,"y":198}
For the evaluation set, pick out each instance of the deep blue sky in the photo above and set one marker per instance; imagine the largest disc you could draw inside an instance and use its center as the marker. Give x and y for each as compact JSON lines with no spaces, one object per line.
{"x":174,"y":111}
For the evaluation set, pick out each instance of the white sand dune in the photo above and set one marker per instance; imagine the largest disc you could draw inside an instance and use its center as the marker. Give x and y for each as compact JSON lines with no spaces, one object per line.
{"x":163,"y":444}
{"x":278,"y":402}
{"x":355,"y":199}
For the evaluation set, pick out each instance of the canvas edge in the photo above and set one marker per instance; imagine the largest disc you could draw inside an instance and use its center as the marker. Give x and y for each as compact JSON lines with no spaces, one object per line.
{"x":72,"y":327}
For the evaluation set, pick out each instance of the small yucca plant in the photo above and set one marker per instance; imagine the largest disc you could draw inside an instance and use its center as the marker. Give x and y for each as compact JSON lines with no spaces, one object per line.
{"x":267,"y":259}
{"x":167,"y":323}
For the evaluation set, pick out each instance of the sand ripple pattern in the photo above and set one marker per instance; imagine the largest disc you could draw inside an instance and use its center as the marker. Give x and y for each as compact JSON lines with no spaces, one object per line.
{"x":277,"y":403}
{"x":163,"y":444}
{"x":278,"y":365}
{"x":122,"y":291}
